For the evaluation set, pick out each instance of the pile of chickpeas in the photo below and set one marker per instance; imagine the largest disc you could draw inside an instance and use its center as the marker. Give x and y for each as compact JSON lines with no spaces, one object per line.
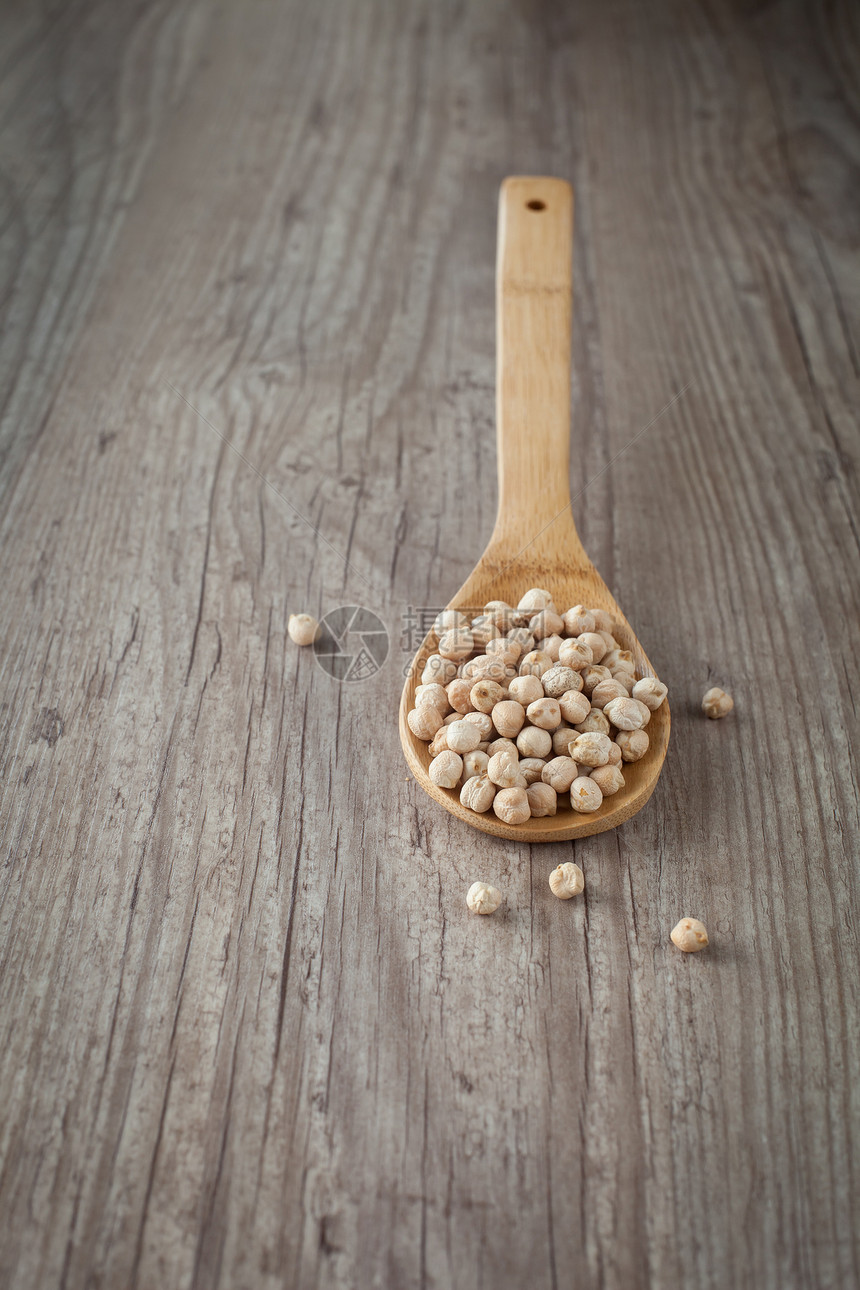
{"x":527,"y":709}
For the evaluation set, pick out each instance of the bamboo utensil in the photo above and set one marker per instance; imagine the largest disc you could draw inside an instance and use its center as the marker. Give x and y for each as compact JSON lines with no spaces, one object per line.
{"x":534,"y":542}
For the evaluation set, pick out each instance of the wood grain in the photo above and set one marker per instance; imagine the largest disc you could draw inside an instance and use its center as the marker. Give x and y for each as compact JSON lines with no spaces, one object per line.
{"x":250,"y":1036}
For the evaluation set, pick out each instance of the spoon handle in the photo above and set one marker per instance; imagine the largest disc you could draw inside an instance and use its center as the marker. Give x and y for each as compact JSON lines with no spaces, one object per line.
{"x":533,"y":305}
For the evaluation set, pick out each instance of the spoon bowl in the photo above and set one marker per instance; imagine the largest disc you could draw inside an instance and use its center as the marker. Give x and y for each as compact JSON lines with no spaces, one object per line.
{"x":534,"y":542}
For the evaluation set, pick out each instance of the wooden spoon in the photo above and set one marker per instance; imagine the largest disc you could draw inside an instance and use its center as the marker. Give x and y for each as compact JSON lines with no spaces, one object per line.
{"x":534,"y":542}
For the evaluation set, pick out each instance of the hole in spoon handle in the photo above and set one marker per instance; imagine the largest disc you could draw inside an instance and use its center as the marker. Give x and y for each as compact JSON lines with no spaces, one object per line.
{"x":533,"y":310}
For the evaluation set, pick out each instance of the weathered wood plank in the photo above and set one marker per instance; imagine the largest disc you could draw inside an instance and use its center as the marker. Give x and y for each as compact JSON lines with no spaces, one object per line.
{"x":251,"y":1037}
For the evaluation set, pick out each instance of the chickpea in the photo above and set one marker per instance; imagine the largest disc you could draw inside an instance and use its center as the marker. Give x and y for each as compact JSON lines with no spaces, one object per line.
{"x":535,"y":663}
{"x":542,"y":799}
{"x":595,"y":723}
{"x":302,"y":629}
{"x":544,"y":713}
{"x":689,"y":935}
{"x":717,"y":703}
{"x":576,"y":655}
{"x":456,"y":644}
{"x":627,"y":714}
{"x":424,"y":721}
{"x":484,"y":695}
{"x":585,"y":795}
{"x":526,"y":689}
{"x":458,"y":695}
{"x":463,"y":736}
{"x":558,"y":681}
{"x":578,"y":620}
{"x":559,"y":773}
{"x":446,"y":769}
{"x":591,"y":749}
{"x":650,"y":691}
{"x":531,"y":769}
{"x":532,"y":741}
{"x":477,"y":794}
{"x":508,"y":718}
{"x":609,"y":779}
{"x":503,"y":770}
{"x":512,"y":805}
{"x":633,"y":744}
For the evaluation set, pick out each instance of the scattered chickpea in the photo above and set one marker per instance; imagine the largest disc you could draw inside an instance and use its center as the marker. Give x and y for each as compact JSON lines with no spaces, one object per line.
{"x":550,"y":645}
{"x":521,"y":636}
{"x":503,"y":649}
{"x":303,"y":629}
{"x":574,"y":705}
{"x":483,"y":631}
{"x":689,"y":935}
{"x":486,"y":667}
{"x":595,"y":643}
{"x":562,"y":739}
{"x":717,"y":703}
{"x":449,"y":619}
{"x":567,"y":880}
{"x":546,"y":623}
{"x":483,"y":899}
{"x":603,"y":622}
{"x":606,"y":691}
{"x":459,"y":696}
{"x":618,"y":658}
{"x":544,"y":713}
{"x":593,"y":675}
{"x":501,"y":613}
{"x":435,"y":694}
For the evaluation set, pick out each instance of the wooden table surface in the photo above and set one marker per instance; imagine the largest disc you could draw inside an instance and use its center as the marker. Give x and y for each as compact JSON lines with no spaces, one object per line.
{"x":251,"y":1037}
